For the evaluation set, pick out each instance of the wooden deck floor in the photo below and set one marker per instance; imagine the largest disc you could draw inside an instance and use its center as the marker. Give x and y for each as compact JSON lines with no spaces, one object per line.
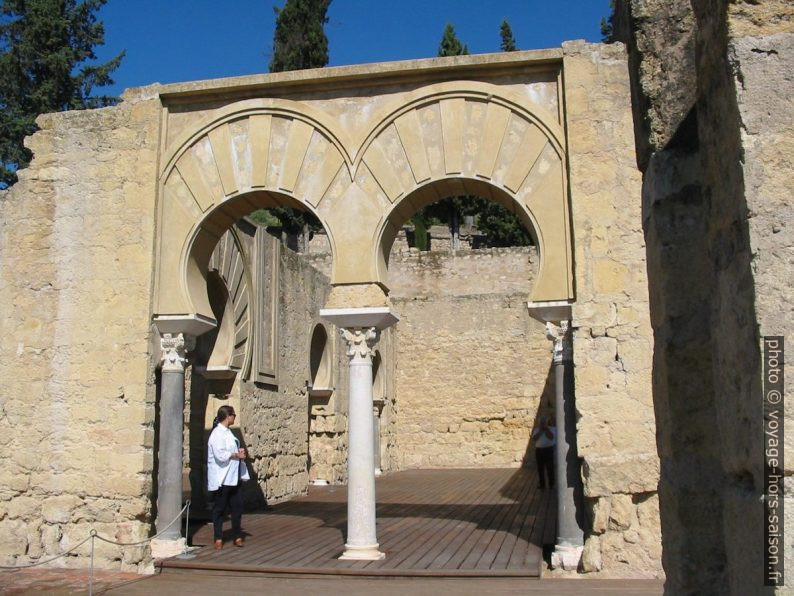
{"x":491,"y":522}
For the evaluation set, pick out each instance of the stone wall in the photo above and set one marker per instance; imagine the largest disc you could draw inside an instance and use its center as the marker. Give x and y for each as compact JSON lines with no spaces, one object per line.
{"x":290,"y":440}
{"x":276,"y":420}
{"x":472,"y":375}
{"x":470,"y":408}
{"x":471,"y":367}
{"x":76,"y":393}
{"x":717,"y":203}
{"x":612,"y":333}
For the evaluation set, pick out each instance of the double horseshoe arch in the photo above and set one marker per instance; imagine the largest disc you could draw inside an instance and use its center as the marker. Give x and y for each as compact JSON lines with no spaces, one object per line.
{"x":362,"y":182}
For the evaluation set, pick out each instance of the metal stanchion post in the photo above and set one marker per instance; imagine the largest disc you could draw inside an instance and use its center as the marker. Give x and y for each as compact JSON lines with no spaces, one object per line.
{"x":91,"y":573}
{"x":185,"y":554}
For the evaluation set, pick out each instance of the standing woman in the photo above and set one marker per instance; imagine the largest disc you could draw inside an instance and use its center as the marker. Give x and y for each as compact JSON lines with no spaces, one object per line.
{"x":225,"y":470}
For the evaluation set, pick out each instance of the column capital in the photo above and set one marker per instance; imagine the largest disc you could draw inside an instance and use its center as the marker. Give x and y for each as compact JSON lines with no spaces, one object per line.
{"x":563,"y":344}
{"x":174,"y":348}
{"x":360,"y":343}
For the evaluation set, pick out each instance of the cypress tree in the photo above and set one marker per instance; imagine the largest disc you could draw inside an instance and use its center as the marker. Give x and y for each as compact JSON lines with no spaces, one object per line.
{"x":508,"y":41}
{"x":299,"y":41}
{"x":450,"y":44}
{"x":45,"y":51}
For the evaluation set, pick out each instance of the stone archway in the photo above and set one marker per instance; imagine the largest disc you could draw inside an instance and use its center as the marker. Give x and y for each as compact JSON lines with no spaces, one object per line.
{"x":253,"y":154}
{"x":278,"y":152}
{"x":359,"y":174}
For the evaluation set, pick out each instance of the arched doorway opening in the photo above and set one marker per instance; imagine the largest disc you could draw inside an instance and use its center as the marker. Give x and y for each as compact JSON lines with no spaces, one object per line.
{"x":472,"y":368}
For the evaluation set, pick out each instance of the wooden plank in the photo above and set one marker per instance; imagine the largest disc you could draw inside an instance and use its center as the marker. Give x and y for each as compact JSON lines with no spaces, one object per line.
{"x":472,"y":523}
{"x":405,"y":521}
{"x":522,"y":546}
{"x":460,"y":524}
{"x":497,"y":537}
{"x":415,"y":540}
{"x":452,"y":554}
{"x":528,"y":508}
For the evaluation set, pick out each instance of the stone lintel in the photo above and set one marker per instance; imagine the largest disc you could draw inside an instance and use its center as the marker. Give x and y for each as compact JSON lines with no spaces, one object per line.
{"x":379,"y":317}
{"x":550,"y":311}
{"x":193,"y":325}
{"x":340,"y":76}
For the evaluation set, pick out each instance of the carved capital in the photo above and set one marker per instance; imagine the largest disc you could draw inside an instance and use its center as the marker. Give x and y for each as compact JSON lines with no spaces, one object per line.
{"x":360,"y":343}
{"x":174,"y":348}
{"x":563,"y":344}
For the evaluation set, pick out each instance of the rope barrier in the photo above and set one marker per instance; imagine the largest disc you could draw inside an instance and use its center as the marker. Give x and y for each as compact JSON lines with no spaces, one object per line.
{"x":94,"y":535}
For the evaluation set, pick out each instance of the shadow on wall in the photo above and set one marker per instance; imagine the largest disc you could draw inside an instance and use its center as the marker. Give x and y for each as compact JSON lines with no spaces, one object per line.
{"x":198,"y":435}
{"x":545,"y":408}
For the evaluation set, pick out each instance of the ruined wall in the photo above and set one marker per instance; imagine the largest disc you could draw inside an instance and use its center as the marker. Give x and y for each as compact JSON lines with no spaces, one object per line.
{"x":76,"y":400}
{"x":717,"y":202}
{"x":612,"y":333}
{"x":291,"y":439}
{"x":276,"y":420}
{"x":471,"y":366}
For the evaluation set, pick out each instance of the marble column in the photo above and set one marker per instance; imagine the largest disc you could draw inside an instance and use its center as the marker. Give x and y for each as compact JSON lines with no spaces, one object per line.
{"x":570,"y":535}
{"x":362,"y":541}
{"x":360,"y":326}
{"x":377,"y":409}
{"x":174,"y":347}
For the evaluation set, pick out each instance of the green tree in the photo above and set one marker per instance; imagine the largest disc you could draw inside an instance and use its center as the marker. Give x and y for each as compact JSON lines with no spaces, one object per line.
{"x":45,"y":51}
{"x":299,"y":42}
{"x":608,"y":24}
{"x":450,"y":44}
{"x":508,"y":41}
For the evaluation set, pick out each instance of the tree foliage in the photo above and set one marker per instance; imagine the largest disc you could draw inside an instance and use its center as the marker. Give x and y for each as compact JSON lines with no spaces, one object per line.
{"x":299,"y":41}
{"x":450,"y":44}
{"x":45,"y":51}
{"x":508,"y":41}
{"x":608,"y":24}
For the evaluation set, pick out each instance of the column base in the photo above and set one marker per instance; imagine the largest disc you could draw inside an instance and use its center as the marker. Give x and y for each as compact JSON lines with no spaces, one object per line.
{"x":566,"y":556}
{"x":163,"y":549}
{"x":361,"y":553}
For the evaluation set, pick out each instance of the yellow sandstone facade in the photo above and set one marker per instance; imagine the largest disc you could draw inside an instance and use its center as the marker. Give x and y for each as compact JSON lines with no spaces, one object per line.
{"x":126,"y":237}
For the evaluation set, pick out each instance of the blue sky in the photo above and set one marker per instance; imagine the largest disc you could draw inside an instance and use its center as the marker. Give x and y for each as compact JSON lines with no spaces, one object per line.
{"x":168,"y":41}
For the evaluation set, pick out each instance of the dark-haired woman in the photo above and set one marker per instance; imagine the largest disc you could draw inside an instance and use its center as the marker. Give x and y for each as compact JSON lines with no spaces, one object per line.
{"x":225,"y":471}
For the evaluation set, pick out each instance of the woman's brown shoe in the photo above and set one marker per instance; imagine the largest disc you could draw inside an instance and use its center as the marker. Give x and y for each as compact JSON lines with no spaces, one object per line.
{"x":239,"y":542}
{"x":218,"y":544}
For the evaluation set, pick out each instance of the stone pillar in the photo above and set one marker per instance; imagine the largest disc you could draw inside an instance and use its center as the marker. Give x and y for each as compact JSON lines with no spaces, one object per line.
{"x":360,"y":327}
{"x":376,"y":413}
{"x":570,"y":536}
{"x":362,"y":541}
{"x":169,"y":472}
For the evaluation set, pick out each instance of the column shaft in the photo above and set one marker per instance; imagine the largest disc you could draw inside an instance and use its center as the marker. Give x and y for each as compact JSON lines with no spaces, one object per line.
{"x":169,"y":471}
{"x":169,"y":453}
{"x":569,"y":530}
{"x":362,"y":541}
{"x":570,"y":536}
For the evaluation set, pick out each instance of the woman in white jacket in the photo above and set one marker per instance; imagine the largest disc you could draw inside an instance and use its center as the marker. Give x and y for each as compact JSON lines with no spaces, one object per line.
{"x":225,"y":470}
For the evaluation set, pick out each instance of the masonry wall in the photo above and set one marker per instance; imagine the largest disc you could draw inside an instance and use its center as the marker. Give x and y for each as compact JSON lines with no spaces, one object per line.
{"x":76,"y":393}
{"x":292,"y":439}
{"x":612,"y":333}
{"x":472,"y":368}
{"x":717,"y":202}
{"x":276,"y":420}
